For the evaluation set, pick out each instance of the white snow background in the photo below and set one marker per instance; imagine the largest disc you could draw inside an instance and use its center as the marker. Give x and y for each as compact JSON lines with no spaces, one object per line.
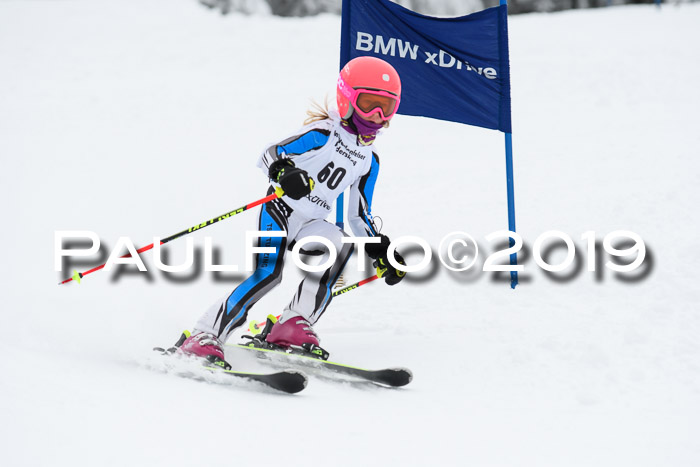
{"x":142,"y":118}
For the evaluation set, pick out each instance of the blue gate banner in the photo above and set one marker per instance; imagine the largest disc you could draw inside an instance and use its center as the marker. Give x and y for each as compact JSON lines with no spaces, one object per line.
{"x":453,"y":69}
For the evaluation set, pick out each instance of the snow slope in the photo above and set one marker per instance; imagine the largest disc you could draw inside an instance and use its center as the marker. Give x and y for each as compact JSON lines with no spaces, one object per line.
{"x":142,"y":118}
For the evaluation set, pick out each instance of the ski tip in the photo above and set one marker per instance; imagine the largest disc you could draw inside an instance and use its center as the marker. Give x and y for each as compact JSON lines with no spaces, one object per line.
{"x":409,"y":374}
{"x":300,"y":377}
{"x":291,"y":381}
{"x":395,"y":377}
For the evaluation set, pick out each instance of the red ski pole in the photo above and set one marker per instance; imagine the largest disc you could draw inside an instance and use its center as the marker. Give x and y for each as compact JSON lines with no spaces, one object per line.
{"x":277,"y":194}
{"x":355,"y":285}
{"x":254,"y":327}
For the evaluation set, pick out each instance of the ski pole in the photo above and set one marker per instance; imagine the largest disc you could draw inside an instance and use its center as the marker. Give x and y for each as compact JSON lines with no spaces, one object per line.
{"x":254,"y":327}
{"x":355,"y":285}
{"x":277,"y":194}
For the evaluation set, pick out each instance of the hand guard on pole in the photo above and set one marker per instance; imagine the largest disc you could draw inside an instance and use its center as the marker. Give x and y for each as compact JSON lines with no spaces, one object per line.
{"x":379,"y":253}
{"x":384,"y":269}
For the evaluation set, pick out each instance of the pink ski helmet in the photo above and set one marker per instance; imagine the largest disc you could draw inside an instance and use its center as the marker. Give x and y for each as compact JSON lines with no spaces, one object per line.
{"x":368,"y":85}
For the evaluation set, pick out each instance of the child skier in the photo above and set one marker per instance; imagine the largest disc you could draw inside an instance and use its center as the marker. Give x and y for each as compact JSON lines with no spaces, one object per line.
{"x":313,"y":166}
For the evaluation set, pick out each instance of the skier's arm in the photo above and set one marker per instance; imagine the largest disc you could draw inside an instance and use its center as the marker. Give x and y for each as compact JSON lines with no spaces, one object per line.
{"x":362,"y":225}
{"x":277,"y":161}
{"x":309,"y":139}
{"x":360,"y":202}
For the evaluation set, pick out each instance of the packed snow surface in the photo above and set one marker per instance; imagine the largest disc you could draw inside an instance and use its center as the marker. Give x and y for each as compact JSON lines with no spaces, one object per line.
{"x":143,"y":118}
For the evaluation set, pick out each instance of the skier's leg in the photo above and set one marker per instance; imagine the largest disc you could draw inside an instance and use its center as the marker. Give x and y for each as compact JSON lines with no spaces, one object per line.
{"x":230,"y":312}
{"x":315,"y":290}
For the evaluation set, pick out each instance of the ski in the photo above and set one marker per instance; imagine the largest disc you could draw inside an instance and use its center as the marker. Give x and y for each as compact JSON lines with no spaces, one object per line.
{"x":393,"y":377}
{"x":289,"y":381}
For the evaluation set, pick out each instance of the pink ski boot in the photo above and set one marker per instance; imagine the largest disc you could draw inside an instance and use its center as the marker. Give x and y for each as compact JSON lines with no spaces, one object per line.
{"x":296,"y":332}
{"x":203,"y":345}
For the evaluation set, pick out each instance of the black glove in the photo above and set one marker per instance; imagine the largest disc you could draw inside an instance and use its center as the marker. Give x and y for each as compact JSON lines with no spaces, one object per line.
{"x":378,"y":252}
{"x":384,"y":269}
{"x":295,"y":182}
{"x":375,"y":250}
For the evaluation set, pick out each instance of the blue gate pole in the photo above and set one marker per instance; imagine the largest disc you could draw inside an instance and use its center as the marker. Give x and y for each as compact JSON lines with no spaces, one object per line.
{"x":511,"y":205}
{"x":511,"y":192}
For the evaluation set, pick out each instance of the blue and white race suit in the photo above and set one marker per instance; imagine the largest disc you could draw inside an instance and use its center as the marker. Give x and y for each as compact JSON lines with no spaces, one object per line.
{"x":335,"y":159}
